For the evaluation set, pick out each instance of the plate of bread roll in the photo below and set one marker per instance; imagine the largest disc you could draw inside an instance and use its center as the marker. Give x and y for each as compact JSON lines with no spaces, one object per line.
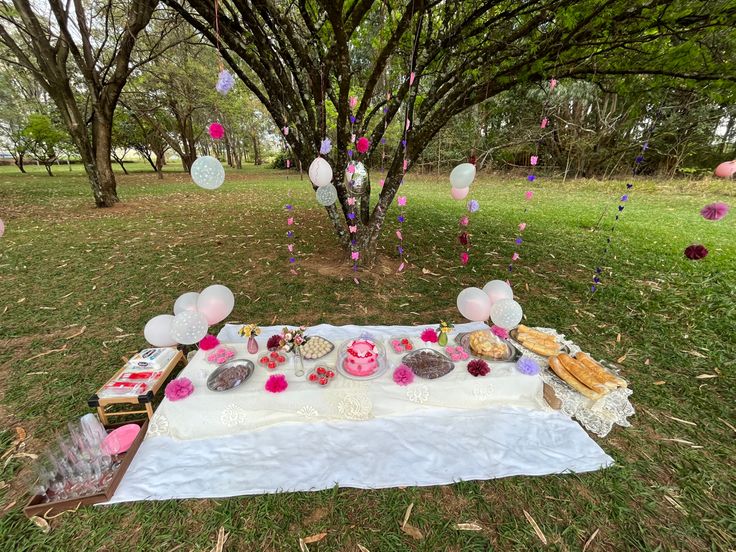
{"x":585,"y":375}
{"x":537,"y":342}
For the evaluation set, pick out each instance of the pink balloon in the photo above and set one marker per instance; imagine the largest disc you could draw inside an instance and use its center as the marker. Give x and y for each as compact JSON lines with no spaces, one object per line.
{"x":474,"y":304}
{"x":726,"y":170}
{"x":459,"y":193}
{"x":215,"y":303}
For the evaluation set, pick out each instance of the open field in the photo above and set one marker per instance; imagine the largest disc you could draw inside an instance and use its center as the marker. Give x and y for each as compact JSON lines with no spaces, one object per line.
{"x":67,"y":267}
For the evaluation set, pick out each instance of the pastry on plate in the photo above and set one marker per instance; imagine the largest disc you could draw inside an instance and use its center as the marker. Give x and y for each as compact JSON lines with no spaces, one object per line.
{"x":484,"y":343}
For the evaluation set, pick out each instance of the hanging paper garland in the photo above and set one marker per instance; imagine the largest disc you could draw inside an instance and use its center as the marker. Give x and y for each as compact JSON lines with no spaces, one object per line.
{"x":531,"y":177}
{"x":290,"y":234}
{"x":464,"y":237}
{"x":621,"y":205}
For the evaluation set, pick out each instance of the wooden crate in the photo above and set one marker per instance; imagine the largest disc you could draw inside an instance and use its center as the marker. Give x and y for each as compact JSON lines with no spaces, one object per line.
{"x":103,"y":404}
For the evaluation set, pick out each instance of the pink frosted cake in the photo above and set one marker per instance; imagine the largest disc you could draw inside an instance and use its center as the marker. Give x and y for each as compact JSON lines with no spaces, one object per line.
{"x":362,"y":358}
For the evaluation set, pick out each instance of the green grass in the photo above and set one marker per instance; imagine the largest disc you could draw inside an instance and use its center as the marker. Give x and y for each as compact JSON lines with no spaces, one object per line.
{"x":65,"y":265}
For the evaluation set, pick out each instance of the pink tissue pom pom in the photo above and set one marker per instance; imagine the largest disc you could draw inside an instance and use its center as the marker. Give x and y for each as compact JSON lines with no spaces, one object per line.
{"x":500,"y":332}
{"x":363,"y":144}
{"x":178,"y":389}
{"x":464,"y":257}
{"x":403,"y":375}
{"x":209,"y":342}
{"x":429,"y":336}
{"x":216,"y":130}
{"x":714,"y":211}
{"x":276,"y":383}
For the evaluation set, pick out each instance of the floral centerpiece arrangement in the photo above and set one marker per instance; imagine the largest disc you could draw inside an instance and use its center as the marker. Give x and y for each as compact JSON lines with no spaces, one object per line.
{"x":251,"y":331}
{"x":444,"y":329}
{"x":290,"y":339}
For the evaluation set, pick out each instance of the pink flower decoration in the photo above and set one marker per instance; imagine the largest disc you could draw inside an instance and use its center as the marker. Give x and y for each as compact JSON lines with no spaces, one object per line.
{"x":522,"y":226}
{"x":529,"y":194}
{"x":534,"y":160}
{"x":276,"y":383}
{"x":403,"y":375}
{"x":351,"y":201}
{"x":216,"y":130}
{"x":515,"y":256}
{"x":464,"y":257}
{"x":429,"y":336}
{"x":381,"y":182}
{"x":355,"y":255}
{"x":353,"y":101}
{"x":178,"y":389}
{"x":290,"y":221}
{"x":545,"y":120}
{"x":363,"y":144}
{"x":500,"y":332}
{"x":401,"y":200}
{"x":714,"y":211}
{"x":351,"y":168}
{"x":209,"y":342}
{"x":290,"y":247}
{"x":464,"y":220}
{"x":552,"y":84}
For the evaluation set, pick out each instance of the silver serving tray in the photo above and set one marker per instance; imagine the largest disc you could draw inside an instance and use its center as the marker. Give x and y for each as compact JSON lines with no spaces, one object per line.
{"x":440,"y":356}
{"x":512,"y":355}
{"x":239,"y":363}
{"x":514,"y":333}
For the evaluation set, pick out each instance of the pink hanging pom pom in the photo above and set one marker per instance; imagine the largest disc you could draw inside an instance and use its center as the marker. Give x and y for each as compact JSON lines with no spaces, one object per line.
{"x":363,"y":144}
{"x":209,"y":342}
{"x":276,"y":383}
{"x":464,"y":257}
{"x":216,"y":130}
{"x":178,"y":389}
{"x":403,"y":375}
{"x":714,"y":211}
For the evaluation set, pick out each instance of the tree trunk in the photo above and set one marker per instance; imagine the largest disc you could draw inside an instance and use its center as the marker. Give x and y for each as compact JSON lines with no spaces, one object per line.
{"x":256,"y":151}
{"x":19,"y":162}
{"x":48,"y":168}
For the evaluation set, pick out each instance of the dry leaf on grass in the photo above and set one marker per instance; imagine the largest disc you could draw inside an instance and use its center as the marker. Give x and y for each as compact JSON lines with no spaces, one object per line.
{"x":467,"y":527}
{"x":729,"y":425}
{"x":536,"y":528}
{"x":222,"y":537}
{"x":303,"y":546}
{"x":621,"y":359}
{"x":362,"y":548}
{"x":660,"y":382}
{"x":590,"y":539}
{"x":42,"y":523}
{"x":314,"y":538}
{"x":407,"y":514}
{"x":47,"y":353}
{"x":412,"y":531}
{"x":681,"y":420}
{"x":676,"y":440}
{"x":675,"y":503}
{"x":706,"y":376}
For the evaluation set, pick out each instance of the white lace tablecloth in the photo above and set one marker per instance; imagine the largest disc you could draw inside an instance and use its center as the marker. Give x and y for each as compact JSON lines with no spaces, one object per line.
{"x":207,"y":414}
{"x":599,"y":416}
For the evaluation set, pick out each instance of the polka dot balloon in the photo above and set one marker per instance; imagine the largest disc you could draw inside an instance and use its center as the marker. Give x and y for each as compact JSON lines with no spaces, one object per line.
{"x":326,"y":195}
{"x":208,"y":172}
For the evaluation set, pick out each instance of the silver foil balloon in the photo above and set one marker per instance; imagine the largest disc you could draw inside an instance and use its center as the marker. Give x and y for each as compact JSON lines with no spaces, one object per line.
{"x":357,"y":182}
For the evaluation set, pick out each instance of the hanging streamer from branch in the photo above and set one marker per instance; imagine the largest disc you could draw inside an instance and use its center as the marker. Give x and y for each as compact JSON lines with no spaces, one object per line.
{"x":290,"y":234}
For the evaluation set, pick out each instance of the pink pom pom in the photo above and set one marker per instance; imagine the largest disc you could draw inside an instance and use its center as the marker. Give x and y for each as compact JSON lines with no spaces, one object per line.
{"x":464,"y":220}
{"x":216,"y":130}
{"x":178,"y":389}
{"x":276,"y":383}
{"x":403,"y":375}
{"x":209,"y":342}
{"x":363,"y":144}
{"x":500,"y":332}
{"x":429,"y":336}
{"x":714,"y":211}
{"x":464,"y":257}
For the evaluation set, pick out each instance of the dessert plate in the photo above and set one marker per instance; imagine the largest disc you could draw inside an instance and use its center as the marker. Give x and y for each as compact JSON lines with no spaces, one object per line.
{"x":230,"y":375}
{"x":513,"y":354}
{"x":428,"y":363}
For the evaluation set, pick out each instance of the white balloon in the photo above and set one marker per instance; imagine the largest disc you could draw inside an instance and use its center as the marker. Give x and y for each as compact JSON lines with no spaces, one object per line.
{"x":463,"y":175}
{"x":208,"y":172}
{"x":474,"y":304}
{"x":506,"y":313}
{"x":320,"y":172}
{"x":215,"y":303}
{"x":497,"y":290}
{"x":158,"y":331}
{"x":186,"y":302}
{"x":189,"y":327}
{"x":326,"y":195}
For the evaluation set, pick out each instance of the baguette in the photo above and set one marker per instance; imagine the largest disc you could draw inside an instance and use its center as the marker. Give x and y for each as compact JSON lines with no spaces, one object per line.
{"x":583,"y":374}
{"x":542,"y":349}
{"x":569,"y":379}
{"x":534,"y":334}
{"x":608,"y":379}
